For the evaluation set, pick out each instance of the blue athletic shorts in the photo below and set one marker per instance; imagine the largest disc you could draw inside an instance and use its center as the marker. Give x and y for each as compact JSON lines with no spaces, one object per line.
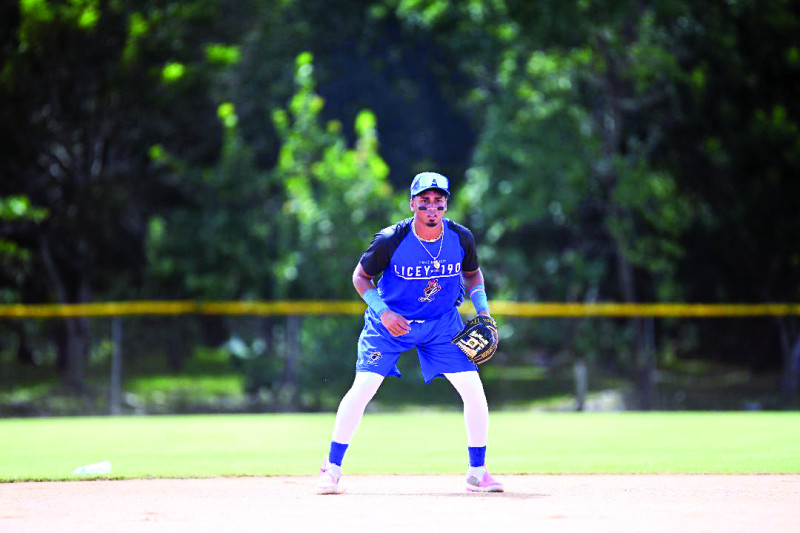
{"x":379,"y":351}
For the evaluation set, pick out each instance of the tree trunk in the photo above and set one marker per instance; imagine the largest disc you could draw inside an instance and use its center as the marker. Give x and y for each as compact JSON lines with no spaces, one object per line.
{"x":790,"y":357}
{"x":268,"y":335}
{"x":115,"y":378}
{"x":75,"y":357}
{"x":645,"y":360}
{"x":609,"y":117}
{"x":289,"y":387}
{"x":24,"y":350}
{"x":647,"y":387}
{"x":73,"y":346}
{"x":794,"y":369}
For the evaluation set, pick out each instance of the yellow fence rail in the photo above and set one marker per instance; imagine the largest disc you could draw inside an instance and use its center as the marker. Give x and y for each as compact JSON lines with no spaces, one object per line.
{"x":355,"y":307}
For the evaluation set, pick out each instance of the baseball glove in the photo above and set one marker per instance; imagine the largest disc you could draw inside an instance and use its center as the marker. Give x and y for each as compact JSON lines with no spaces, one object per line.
{"x":478,"y":339}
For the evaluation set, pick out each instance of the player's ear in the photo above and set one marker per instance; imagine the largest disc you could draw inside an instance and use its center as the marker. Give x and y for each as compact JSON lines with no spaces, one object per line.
{"x":411,"y":203}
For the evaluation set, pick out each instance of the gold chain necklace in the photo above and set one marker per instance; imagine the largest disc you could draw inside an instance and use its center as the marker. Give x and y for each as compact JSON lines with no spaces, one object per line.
{"x":435,"y":258}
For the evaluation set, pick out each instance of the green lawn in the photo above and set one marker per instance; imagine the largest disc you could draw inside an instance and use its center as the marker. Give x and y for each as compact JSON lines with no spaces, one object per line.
{"x":410,"y":442}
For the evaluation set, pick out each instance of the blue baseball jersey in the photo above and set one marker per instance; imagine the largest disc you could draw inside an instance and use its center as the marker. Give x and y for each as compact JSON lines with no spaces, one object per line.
{"x":420,"y":280}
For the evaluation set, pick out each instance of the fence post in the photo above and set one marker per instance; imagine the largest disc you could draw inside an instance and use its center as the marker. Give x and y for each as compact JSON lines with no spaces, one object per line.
{"x":115,"y":381}
{"x":649,"y":367}
{"x":292,"y":352}
{"x":581,"y":375}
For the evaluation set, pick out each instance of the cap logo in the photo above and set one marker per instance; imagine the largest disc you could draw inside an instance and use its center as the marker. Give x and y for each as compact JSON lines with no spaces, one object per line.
{"x":429,"y":180}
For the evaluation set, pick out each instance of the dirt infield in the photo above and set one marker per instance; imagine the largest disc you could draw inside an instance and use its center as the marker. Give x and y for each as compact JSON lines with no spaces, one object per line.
{"x":653,"y":503}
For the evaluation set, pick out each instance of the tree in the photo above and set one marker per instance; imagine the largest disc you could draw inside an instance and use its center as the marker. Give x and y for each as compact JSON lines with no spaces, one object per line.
{"x":737,"y":151}
{"x":566,"y":152}
{"x":365,"y":57}
{"x":336,"y":199}
{"x":293,"y":233}
{"x":217,"y":245}
{"x":17,"y":216}
{"x":87,"y":88}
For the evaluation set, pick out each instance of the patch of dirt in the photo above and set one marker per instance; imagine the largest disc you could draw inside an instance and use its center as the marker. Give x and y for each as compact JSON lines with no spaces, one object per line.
{"x":619,"y":503}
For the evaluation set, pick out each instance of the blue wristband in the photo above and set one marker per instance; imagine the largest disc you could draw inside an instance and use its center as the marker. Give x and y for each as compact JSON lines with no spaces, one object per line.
{"x":374,"y":301}
{"x":478,"y":296}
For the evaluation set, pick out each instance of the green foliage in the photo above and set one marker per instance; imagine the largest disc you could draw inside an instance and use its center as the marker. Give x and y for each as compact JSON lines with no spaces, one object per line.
{"x":328,"y":372}
{"x":83,"y":94}
{"x":16,"y":208}
{"x":232,"y":205}
{"x":16,"y":215}
{"x":172,"y":72}
{"x":600,"y":150}
{"x":224,"y":54}
{"x":296,"y":232}
{"x":566,"y":189}
{"x":745,"y":152}
{"x":260,"y":369}
{"x":657,"y":216}
{"x":336,"y":197}
{"x":83,"y":14}
{"x":266,"y":234}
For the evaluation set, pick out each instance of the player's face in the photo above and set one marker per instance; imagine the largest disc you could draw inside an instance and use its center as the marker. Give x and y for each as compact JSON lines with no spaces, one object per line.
{"x":429,"y":207}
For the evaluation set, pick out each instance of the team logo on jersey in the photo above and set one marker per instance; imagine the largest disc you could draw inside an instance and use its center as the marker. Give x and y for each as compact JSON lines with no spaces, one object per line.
{"x":373,"y":358}
{"x":432,"y":288}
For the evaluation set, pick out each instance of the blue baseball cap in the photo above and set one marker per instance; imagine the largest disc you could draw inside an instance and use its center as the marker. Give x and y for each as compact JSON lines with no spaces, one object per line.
{"x":429,"y":180}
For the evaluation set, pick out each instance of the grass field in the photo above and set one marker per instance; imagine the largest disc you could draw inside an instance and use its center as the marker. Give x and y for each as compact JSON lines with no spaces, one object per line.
{"x":402,"y":443}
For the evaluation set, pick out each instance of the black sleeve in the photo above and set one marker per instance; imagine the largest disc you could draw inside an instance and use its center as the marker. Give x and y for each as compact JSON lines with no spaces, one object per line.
{"x":380,"y":250}
{"x":467,"y":240}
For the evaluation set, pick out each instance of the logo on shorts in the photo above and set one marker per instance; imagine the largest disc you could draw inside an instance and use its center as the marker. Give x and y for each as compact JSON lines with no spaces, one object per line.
{"x":373,"y":358}
{"x":432,"y":288}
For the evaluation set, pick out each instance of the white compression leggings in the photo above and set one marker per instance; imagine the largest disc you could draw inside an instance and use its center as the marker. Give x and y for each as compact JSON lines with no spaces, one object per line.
{"x":366,"y":384}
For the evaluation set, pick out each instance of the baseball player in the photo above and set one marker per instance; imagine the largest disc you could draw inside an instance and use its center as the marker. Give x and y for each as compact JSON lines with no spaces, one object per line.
{"x":425,"y":262}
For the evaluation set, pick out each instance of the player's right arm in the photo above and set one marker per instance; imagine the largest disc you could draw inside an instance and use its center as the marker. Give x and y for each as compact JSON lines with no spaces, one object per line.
{"x":396,"y":324}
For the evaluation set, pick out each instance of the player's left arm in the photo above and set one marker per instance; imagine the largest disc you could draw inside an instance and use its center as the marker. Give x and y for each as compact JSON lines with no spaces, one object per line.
{"x":473,"y":283}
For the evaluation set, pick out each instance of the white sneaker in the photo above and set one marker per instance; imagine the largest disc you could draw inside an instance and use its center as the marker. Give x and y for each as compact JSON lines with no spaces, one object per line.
{"x":480,"y":480}
{"x":329,"y":476}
